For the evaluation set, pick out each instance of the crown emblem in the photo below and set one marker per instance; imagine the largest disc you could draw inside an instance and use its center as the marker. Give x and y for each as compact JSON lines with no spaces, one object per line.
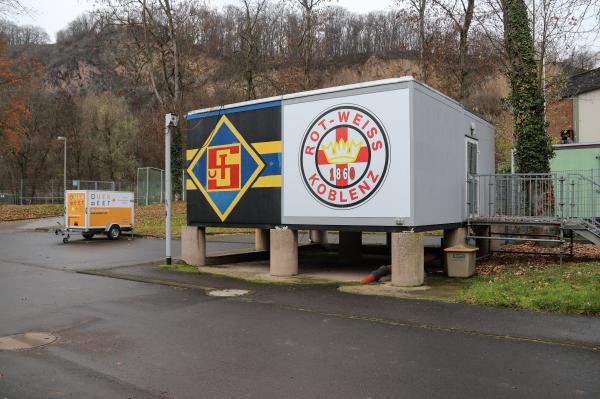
{"x":341,"y":151}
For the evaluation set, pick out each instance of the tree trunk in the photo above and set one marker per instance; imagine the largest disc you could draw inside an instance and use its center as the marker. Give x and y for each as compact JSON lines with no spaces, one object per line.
{"x":464,"y":89}
{"x":422,"y":59}
{"x":308,"y":48}
{"x":533,"y":145}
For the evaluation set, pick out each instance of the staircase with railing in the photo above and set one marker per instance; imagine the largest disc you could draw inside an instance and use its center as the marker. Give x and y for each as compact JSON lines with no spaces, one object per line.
{"x":570,"y":200}
{"x":588,"y":229}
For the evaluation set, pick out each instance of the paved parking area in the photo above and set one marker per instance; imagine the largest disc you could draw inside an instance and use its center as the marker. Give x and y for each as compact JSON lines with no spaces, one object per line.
{"x":20,"y":244}
{"x":119,"y":338}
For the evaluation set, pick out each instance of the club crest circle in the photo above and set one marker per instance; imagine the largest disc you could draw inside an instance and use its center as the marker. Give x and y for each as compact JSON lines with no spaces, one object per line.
{"x":344,"y":156}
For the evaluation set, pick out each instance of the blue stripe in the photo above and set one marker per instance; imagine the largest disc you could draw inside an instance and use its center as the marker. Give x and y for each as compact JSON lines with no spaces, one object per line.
{"x":234,"y":110}
{"x":272,"y":164}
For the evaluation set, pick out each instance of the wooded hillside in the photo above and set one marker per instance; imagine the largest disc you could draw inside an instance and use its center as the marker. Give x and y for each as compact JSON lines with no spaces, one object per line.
{"x":112,"y":74}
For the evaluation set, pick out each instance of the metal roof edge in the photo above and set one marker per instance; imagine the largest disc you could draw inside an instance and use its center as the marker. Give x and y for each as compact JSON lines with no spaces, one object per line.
{"x":353,"y":86}
{"x":588,"y":90}
{"x":300,"y":94}
{"x":372,"y":83}
{"x":576,"y":145}
{"x":235,"y":105}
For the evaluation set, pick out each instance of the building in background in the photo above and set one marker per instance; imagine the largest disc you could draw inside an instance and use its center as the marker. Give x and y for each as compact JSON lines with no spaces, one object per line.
{"x":575,"y":121}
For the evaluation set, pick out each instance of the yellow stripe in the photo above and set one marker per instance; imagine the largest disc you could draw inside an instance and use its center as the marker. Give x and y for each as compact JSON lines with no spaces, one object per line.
{"x":189,"y":154}
{"x":267,"y":147}
{"x":189,"y":185}
{"x":267,"y":181}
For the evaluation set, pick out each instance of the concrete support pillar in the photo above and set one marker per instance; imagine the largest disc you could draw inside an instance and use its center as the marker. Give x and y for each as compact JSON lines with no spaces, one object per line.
{"x":483,"y":245}
{"x":388,"y":242}
{"x":350,"y":248}
{"x":457,"y":236}
{"x":496,"y":244}
{"x":193,"y":245}
{"x":261,"y":239}
{"x":408,"y":265}
{"x":318,"y":237}
{"x":284,"y":252}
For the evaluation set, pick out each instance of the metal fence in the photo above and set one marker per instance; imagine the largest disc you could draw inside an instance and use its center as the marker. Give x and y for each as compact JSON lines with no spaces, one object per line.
{"x":559,"y":195}
{"x":52,"y":191}
{"x":148,"y":189}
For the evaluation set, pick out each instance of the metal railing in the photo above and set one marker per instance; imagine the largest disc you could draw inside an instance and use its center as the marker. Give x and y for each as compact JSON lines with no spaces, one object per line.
{"x":559,"y":195}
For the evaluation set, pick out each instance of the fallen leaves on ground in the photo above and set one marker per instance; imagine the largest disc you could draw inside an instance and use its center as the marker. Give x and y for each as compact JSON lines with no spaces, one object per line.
{"x":543,"y":257}
{"x":150,"y":220}
{"x":23,"y":212}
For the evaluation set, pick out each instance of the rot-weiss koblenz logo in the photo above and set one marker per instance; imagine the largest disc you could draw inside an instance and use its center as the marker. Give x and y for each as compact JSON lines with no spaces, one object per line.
{"x":344,"y":156}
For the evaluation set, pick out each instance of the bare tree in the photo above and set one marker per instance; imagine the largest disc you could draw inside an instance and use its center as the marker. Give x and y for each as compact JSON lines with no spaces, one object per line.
{"x":309,"y":10}
{"x":250,"y":38}
{"x":557,"y":26}
{"x":419,"y":7}
{"x":461,"y":14}
{"x":11,"y":7}
{"x":23,"y":35}
{"x":157,"y":30}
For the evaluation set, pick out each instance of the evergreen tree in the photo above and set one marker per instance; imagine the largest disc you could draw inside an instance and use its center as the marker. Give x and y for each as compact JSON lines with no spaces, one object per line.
{"x":533,"y":148}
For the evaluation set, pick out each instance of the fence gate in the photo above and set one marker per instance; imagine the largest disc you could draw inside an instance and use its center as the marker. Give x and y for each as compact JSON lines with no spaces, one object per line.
{"x":150,"y":186}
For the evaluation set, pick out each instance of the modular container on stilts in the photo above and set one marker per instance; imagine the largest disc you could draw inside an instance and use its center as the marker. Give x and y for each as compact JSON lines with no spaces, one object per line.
{"x":387,"y":155}
{"x":392,"y":155}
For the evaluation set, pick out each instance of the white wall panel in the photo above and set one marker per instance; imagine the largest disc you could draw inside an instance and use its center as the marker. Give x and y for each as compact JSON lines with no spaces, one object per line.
{"x":315,"y":125}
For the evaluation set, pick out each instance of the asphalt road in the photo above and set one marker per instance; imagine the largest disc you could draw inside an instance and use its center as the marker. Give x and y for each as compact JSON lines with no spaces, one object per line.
{"x":21,"y":245}
{"x":126,"y":339}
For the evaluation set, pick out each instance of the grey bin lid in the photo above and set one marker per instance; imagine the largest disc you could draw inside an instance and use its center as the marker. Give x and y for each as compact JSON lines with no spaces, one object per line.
{"x":461,"y":249}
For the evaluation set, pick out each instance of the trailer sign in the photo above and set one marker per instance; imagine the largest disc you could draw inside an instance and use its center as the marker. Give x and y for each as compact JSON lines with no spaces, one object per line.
{"x":344,"y":156}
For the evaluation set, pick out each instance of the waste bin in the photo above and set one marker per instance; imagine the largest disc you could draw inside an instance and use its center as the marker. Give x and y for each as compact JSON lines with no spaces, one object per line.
{"x":461,"y":260}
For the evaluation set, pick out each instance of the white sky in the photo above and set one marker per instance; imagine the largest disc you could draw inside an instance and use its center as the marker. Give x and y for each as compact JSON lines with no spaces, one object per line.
{"x":54,"y":15}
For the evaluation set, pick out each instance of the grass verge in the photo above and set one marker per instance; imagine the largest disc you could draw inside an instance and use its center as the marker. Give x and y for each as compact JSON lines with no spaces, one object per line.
{"x":180,"y":268}
{"x":570,"y":288}
{"x":23,"y":212}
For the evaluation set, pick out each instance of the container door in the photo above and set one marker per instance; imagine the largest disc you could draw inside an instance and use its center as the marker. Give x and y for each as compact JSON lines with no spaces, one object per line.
{"x":76,"y":209}
{"x":472,"y":182}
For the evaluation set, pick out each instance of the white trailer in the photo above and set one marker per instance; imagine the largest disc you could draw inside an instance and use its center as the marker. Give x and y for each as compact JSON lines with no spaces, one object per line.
{"x":91,"y":212}
{"x":388,"y":155}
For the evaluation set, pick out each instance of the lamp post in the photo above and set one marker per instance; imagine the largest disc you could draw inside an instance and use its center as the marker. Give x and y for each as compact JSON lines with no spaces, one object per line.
{"x":170,"y":123}
{"x":63,"y":138}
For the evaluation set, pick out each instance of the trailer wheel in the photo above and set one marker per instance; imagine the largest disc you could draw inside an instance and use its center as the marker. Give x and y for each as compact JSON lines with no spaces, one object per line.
{"x":88,"y":236}
{"x":114,"y":232}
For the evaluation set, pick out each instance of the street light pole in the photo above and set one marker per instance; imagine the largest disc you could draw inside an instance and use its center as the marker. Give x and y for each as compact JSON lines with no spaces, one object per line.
{"x":170,"y":122}
{"x":64,"y":139}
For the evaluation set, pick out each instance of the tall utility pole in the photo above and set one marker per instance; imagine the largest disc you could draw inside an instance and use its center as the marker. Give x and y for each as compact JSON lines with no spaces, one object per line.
{"x":170,"y":122}
{"x":64,"y":139}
